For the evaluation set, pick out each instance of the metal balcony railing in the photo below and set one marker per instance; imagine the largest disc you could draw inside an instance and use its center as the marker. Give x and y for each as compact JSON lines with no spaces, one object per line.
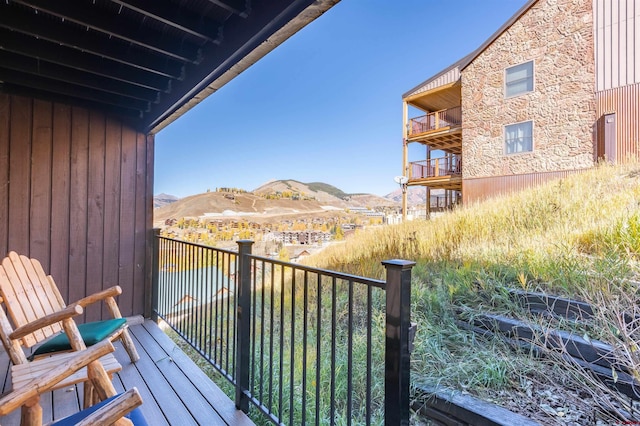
{"x":451,"y":117}
{"x":301,"y":345}
{"x":450,"y":165}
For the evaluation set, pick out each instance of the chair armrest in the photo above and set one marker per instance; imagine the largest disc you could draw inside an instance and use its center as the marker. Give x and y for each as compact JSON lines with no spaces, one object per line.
{"x":114,"y":291}
{"x":114,"y":410}
{"x":68,"y":312}
{"x":46,"y":381}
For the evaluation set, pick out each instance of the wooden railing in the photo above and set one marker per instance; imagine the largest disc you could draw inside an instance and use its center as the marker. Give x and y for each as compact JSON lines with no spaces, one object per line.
{"x":436,"y":120}
{"x":450,"y":165}
{"x":443,"y":203}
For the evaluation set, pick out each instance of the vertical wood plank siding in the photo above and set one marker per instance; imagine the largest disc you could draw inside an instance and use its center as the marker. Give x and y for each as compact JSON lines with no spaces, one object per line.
{"x":95,"y":208}
{"x":76,"y":193}
{"x":39,"y":224}
{"x":4,"y":175}
{"x":617,"y":43}
{"x":482,"y":188}
{"x":625,"y":102}
{"x":60,"y":196}
{"x":148,"y":303}
{"x":19,"y":174}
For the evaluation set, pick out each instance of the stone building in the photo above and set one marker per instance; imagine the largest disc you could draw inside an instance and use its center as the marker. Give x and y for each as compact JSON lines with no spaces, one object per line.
{"x":556,"y":88}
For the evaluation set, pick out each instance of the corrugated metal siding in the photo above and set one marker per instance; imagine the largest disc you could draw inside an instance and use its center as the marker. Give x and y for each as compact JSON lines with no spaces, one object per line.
{"x":76,"y":193}
{"x":617,"y":42}
{"x":482,"y":188}
{"x":449,"y":77}
{"x":625,"y":102}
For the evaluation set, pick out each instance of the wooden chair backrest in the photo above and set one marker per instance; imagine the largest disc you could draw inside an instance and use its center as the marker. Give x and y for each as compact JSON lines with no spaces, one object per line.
{"x":29,"y":293}
{"x":13,"y":347}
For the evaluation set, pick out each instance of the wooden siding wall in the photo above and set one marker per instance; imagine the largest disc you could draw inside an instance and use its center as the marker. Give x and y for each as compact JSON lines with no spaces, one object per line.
{"x":76,"y":193}
{"x":625,"y":103}
{"x":617,"y":42}
{"x":482,"y":188}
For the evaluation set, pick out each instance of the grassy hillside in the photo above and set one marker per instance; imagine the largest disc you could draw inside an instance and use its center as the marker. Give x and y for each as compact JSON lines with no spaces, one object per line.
{"x":528,"y":233}
{"x":323,"y":192}
{"x":578,"y":237}
{"x":329,"y":189}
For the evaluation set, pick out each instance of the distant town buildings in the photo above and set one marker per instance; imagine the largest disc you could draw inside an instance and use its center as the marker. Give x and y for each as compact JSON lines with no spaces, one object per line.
{"x":211,"y":228}
{"x":298,"y":237}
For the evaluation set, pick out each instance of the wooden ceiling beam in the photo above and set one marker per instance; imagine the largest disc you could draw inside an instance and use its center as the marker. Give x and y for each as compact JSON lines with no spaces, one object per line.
{"x":28,"y":46}
{"x":57,"y":72}
{"x":76,"y":11}
{"x":128,"y":115}
{"x":177,"y":18}
{"x":71,"y":90}
{"x":237,"y":7}
{"x":37,"y":25}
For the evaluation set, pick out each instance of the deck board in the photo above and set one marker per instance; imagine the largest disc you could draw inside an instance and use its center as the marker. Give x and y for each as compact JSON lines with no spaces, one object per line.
{"x":195,"y":403}
{"x":224,"y":407}
{"x":174,"y":390}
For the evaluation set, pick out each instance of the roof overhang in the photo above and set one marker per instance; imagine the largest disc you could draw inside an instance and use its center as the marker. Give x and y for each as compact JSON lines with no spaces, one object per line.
{"x":144,"y":61}
{"x":452,"y":74}
{"x":442,"y":96}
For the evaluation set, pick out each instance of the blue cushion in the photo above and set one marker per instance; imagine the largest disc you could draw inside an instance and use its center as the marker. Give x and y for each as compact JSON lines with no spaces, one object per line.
{"x":92,"y":333}
{"x":135,"y":416}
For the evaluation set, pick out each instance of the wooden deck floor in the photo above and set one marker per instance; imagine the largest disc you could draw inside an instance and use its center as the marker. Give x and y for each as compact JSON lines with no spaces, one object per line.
{"x":174,"y":390}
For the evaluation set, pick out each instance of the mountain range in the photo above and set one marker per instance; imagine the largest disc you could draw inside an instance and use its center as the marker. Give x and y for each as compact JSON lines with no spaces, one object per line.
{"x":264,"y":200}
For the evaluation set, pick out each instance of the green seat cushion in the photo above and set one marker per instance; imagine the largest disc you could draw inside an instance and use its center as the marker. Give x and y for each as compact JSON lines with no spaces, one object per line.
{"x":92,"y":333}
{"x":135,"y":416}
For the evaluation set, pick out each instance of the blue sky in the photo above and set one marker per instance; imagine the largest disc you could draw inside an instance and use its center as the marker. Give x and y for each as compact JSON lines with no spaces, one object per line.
{"x":326,"y":105}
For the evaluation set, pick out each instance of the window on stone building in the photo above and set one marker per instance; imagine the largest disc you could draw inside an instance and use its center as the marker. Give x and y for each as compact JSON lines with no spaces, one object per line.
{"x":518,"y":137}
{"x":518,"y":79}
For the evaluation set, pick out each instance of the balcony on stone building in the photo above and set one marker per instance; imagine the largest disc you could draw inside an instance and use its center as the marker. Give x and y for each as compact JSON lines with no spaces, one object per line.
{"x":439,"y":130}
{"x":441,"y":173}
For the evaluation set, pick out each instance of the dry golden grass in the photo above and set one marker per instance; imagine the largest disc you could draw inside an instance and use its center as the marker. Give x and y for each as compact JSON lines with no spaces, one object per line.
{"x":578,"y":237}
{"x":527,"y":231}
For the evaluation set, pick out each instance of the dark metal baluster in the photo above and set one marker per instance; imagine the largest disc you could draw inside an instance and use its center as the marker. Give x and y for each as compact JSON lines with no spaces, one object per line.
{"x":281,"y":372}
{"x":197,"y":295}
{"x":210,"y":307}
{"x":228,"y":310}
{"x":292,"y":346}
{"x":262,"y":333}
{"x":207,"y":291}
{"x":162,"y":277}
{"x":184,"y":277}
{"x":181,"y":279}
{"x":203,"y":306}
{"x":305,"y":307}
{"x":152,"y":308}
{"x":233,"y":311}
{"x":318,"y":345}
{"x":188,"y":283}
{"x":369,"y":351}
{"x":271,"y":336}
{"x":169,"y":294}
{"x":216,"y":337}
{"x":254,"y":304}
{"x":190,"y":292}
{"x":221,"y":317}
{"x":333,"y":351}
{"x":350,"y":356}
